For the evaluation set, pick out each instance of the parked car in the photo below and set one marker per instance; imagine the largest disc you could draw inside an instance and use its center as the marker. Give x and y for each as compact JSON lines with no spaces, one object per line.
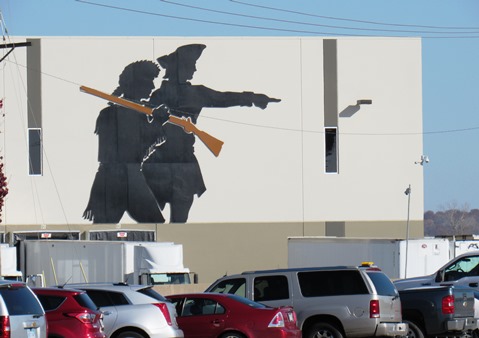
{"x":70,"y":313}
{"x":211,"y":315}
{"x":133,"y":311}
{"x":336,"y":302}
{"x":21,"y":314}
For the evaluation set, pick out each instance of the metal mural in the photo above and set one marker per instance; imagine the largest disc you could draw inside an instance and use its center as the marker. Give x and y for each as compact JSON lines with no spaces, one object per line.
{"x":146,"y":139}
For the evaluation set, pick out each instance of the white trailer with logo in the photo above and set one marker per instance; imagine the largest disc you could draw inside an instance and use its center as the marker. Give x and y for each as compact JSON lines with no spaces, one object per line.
{"x":423,"y":256}
{"x":54,"y":262}
{"x":459,"y":247}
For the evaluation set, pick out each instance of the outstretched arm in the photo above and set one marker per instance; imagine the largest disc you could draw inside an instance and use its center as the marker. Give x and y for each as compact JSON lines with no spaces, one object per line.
{"x":261,"y":100}
{"x":198,"y":96}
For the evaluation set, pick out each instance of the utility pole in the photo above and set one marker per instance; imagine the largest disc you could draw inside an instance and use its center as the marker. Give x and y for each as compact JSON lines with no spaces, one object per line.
{"x":408,"y":193}
{"x":12,"y":46}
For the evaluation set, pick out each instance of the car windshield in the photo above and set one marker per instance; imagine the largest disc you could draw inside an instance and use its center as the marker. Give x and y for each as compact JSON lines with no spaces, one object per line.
{"x":236,"y":286}
{"x":20,"y":301}
{"x":152,"y":293}
{"x":85,"y":301}
{"x":248,"y":302}
{"x":382,"y":283}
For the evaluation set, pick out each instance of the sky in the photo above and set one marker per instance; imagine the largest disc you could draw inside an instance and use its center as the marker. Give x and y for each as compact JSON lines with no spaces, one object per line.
{"x":450,"y":55}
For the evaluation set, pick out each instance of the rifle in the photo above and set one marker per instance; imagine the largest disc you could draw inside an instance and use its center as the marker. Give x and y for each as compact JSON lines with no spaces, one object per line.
{"x":212,"y":143}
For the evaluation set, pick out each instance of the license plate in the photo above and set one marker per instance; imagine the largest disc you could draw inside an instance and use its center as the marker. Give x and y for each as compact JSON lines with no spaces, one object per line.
{"x":31,"y":333}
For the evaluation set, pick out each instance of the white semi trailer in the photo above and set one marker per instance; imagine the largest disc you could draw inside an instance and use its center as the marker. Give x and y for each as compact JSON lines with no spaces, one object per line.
{"x":56,"y":262}
{"x":397,"y":258}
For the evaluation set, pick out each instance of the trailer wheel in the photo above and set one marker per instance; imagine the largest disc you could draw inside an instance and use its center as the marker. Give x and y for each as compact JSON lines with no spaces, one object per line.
{"x":415,"y":330}
{"x":323,"y":330}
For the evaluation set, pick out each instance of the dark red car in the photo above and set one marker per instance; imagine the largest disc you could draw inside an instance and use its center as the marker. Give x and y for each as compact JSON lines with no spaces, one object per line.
{"x":208,"y":315}
{"x":70,"y":313}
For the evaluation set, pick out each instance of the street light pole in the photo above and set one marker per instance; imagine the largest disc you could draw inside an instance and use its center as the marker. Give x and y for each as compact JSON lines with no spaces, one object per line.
{"x":408,"y":193}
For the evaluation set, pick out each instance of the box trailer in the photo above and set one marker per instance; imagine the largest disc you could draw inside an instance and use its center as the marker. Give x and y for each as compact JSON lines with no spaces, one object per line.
{"x":8,"y":263}
{"x":424,"y":255}
{"x":459,"y":247}
{"x":54,"y":262}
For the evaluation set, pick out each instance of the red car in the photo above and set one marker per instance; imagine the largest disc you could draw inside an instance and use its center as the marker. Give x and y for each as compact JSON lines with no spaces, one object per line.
{"x":70,"y":313}
{"x":212,"y":315}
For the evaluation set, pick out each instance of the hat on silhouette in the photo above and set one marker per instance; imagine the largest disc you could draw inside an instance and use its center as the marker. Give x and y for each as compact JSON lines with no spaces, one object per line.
{"x":183,"y":54}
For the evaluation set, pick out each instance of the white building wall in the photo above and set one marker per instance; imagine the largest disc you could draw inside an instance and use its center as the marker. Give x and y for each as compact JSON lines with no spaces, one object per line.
{"x":271,"y":168}
{"x":379,"y":144}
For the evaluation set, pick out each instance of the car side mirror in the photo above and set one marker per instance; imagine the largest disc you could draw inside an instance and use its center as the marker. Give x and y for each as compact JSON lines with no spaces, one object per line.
{"x":439,"y":276}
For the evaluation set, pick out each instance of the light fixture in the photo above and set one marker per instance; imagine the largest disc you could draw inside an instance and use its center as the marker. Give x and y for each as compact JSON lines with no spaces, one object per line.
{"x":408,"y":190}
{"x":424,"y":159}
{"x":363,"y":101}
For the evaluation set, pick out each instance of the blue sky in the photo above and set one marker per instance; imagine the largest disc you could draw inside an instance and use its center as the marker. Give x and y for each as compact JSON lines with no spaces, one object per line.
{"x":450,"y":54}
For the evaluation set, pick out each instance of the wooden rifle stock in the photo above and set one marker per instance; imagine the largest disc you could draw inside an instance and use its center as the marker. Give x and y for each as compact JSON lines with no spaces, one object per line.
{"x":212,"y":143}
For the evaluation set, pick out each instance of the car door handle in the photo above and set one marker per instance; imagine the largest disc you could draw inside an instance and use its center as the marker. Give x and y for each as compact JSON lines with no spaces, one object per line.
{"x":216,"y":322}
{"x":106,"y":313}
{"x":473,"y":285}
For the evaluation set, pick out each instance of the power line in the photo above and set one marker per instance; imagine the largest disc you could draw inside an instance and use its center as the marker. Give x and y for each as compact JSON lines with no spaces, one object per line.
{"x":208,"y":21}
{"x":35,"y":190}
{"x":349,"y":20}
{"x":255,"y":26}
{"x":312,"y":24}
{"x":445,"y":131}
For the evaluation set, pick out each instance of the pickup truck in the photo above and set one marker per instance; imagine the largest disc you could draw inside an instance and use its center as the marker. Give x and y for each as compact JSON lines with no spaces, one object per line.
{"x":460,"y":271}
{"x":435,"y":311}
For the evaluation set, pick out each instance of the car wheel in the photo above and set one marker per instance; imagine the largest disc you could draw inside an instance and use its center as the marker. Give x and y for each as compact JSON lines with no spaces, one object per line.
{"x":232,"y":335}
{"x":130,"y":334}
{"x":323,"y":330}
{"x":415,"y":330}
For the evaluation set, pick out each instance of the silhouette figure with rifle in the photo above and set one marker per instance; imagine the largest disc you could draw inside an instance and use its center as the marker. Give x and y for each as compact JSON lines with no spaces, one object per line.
{"x":123,"y":133}
{"x":172,"y":171}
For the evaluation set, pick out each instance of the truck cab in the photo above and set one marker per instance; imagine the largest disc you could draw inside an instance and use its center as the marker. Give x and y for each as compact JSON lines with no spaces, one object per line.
{"x":166,"y":278}
{"x":460,"y":271}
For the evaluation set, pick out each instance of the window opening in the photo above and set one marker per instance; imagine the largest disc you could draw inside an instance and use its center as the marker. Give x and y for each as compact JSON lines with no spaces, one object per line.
{"x":331,"y":150}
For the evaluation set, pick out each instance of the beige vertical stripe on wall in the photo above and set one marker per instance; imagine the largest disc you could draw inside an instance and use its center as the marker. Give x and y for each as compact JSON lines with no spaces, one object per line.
{"x":34,"y":84}
{"x":330,"y":70}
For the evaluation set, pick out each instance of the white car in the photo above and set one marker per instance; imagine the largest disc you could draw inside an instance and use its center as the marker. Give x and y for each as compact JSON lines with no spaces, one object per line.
{"x":21,"y":314}
{"x":133,"y":311}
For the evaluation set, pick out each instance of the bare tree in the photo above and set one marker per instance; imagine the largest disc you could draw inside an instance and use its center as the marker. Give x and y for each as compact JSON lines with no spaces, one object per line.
{"x":457,"y":218}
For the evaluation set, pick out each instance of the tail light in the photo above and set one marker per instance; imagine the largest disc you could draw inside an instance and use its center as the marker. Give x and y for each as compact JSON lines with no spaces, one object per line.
{"x":295,"y":317}
{"x":166,"y":313}
{"x":4,"y":327}
{"x":84,"y":317}
{"x":374,"y":309}
{"x":277,"y":321}
{"x":448,"y":305}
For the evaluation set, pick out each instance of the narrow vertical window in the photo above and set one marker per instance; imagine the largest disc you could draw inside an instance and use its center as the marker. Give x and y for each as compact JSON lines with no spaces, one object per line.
{"x":35,"y":151}
{"x":331,"y":151}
